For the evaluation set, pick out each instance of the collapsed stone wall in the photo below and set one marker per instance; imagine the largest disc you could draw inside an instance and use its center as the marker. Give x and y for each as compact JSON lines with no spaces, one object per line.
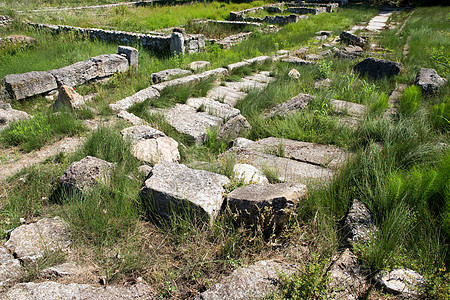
{"x":21,"y":86}
{"x":299,"y":7}
{"x":187,"y":43}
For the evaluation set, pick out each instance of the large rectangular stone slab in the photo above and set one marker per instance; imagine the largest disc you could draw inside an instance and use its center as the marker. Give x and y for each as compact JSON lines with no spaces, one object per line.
{"x":226,"y":95}
{"x":329,"y":156}
{"x":245,"y":85}
{"x":141,"y":96}
{"x":187,"y":120}
{"x":75,"y":74}
{"x":213,"y":107}
{"x":284,"y":169}
{"x":174,"y":187}
{"x":21,"y":86}
{"x":350,"y":108}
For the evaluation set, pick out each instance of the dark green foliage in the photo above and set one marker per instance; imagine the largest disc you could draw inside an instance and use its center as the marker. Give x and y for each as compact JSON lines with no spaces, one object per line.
{"x":410,"y":100}
{"x":441,"y":115}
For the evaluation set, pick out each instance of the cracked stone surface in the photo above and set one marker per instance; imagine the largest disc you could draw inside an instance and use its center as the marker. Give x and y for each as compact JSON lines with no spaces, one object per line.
{"x":86,"y":173}
{"x":187,"y":120}
{"x":324,"y":155}
{"x":151,"y":145}
{"x":286,"y":170}
{"x":253,"y":282}
{"x":10,"y":268}
{"x":30,"y":242}
{"x":405,"y":282}
{"x":347,"y":278}
{"x":50,"y":290}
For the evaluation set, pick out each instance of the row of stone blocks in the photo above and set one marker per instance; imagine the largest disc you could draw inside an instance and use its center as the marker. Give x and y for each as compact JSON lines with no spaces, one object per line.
{"x":153,"y":91}
{"x":21,"y":86}
{"x":313,"y":9}
{"x":177,"y":43}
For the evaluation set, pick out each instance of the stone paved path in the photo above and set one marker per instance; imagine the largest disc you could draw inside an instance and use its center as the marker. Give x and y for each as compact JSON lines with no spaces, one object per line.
{"x":376,"y":24}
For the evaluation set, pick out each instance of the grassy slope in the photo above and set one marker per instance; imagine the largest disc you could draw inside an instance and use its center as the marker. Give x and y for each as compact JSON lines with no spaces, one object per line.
{"x":142,"y":19}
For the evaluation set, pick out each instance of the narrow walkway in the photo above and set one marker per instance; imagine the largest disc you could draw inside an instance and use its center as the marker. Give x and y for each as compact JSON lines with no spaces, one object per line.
{"x":66,"y":145}
{"x":376,"y":24}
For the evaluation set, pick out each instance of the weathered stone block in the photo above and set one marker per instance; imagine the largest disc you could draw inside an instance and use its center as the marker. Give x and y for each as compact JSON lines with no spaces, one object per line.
{"x":429,"y":80}
{"x":291,"y":106}
{"x":378,"y":68}
{"x":75,"y":74}
{"x":213,"y":107}
{"x":86,"y":173}
{"x":68,"y":98}
{"x":235,"y":127}
{"x":267,"y":204}
{"x":132,"y":55}
{"x":151,"y":145}
{"x":169,"y":74}
{"x":21,"y":86}
{"x":175,"y":187}
{"x":30,"y":242}
{"x":253,"y":282}
{"x":109,"y":64}
{"x":177,"y":43}
{"x":49,"y":290}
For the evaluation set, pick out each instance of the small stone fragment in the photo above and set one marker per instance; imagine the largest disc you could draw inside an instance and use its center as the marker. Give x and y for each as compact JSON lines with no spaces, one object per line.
{"x":429,"y":80}
{"x":293,"y":73}
{"x":86,"y":173}
{"x":169,"y":74}
{"x":68,"y":98}
{"x":353,"y":39}
{"x":289,"y":107}
{"x":253,"y":282}
{"x":145,"y":170}
{"x":249,"y":174}
{"x":359,"y":224}
{"x":151,"y":145}
{"x":199,"y":65}
{"x":347,"y":278}
{"x":404,"y":282}
{"x":10,"y":268}
{"x":132,"y":118}
{"x":63,"y":270}
{"x":235,"y":127}
{"x":9,"y":115}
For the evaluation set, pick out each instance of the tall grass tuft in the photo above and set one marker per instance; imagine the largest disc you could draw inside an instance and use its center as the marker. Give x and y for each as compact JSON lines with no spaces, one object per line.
{"x":36,"y":132}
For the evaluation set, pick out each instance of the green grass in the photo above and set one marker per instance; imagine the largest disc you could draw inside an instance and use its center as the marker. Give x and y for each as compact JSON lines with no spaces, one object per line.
{"x":143,"y":19}
{"x":36,"y":132}
{"x":216,"y":31}
{"x":399,"y":169}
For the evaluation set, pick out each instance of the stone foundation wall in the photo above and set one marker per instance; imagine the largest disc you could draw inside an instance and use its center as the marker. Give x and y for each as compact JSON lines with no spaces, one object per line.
{"x":160,"y":44}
